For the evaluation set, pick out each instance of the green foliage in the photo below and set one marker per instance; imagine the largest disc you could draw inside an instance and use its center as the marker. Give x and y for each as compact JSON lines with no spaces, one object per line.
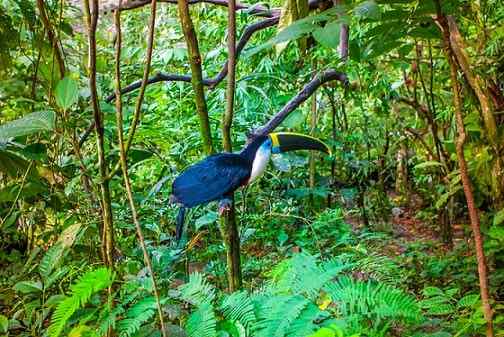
{"x":29,"y":124}
{"x":202,"y":322}
{"x":90,"y":283}
{"x":67,"y":93}
{"x":197,"y":291}
{"x":140,"y":313}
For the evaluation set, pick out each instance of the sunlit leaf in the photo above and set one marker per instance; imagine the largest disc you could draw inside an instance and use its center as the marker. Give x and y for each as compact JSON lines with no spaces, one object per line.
{"x":66,"y":93}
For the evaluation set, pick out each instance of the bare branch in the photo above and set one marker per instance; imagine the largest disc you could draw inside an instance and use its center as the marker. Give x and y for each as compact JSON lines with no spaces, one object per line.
{"x":257,"y":9}
{"x":211,"y":82}
{"x":303,"y":95}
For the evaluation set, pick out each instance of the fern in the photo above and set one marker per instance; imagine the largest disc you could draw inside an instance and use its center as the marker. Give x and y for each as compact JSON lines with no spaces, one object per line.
{"x":377,"y":302}
{"x":90,"y":283}
{"x":279,"y":315}
{"x":137,"y":315}
{"x":302,"y":275}
{"x":202,"y":322}
{"x":238,"y":307}
{"x":51,"y":260}
{"x":197,"y":291}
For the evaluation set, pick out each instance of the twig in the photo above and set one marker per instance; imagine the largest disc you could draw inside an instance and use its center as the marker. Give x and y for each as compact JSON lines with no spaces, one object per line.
{"x":124,"y":165}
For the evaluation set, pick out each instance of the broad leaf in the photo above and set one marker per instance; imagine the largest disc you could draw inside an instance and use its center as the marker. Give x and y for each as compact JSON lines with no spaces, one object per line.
{"x":328,"y":36}
{"x":29,"y":124}
{"x":27,"y":287}
{"x":67,"y":93}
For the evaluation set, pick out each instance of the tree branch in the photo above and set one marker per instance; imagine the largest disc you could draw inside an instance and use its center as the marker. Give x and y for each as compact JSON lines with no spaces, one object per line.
{"x":257,"y":9}
{"x":303,"y":95}
{"x":211,"y":82}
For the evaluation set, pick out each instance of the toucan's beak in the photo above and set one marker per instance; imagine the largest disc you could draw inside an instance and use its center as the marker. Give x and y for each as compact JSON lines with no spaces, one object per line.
{"x":289,"y":141}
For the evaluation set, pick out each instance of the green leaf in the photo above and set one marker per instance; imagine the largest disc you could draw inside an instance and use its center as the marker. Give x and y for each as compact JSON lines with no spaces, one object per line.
{"x":205,"y":220}
{"x":498,"y":217}
{"x":433,"y":291}
{"x":29,"y":124}
{"x":66,"y":93}
{"x":4,"y":324}
{"x":27,"y":287}
{"x":367,"y":10}
{"x":468,"y":301}
{"x":431,"y":163}
{"x":329,"y":35}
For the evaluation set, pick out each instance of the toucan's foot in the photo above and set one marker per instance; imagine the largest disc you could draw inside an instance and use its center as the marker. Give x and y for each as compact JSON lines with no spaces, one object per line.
{"x":225,"y":206}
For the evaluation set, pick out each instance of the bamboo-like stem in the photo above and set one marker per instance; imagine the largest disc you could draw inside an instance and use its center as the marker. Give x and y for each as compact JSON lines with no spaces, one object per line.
{"x":228,"y":224}
{"x":124,"y":167}
{"x":138,"y":106}
{"x":107,"y":245}
{"x":466,"y":181}
{"x":197,"y":74}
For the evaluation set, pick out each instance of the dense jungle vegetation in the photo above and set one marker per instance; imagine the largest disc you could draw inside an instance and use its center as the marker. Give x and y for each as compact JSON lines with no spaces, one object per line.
{"x":399,"y":231}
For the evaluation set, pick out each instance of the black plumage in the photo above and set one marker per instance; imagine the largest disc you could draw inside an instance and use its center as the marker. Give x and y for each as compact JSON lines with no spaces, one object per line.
{"x":213,"y":178}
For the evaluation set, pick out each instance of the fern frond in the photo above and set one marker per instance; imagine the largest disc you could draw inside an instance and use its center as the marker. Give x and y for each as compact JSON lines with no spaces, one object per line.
{"x":197,"y":291}
{"x":137,"y":315}
{"x":90,"y":283}
{"x":303,"y":275}
{"x":202,"y":322}
{"x":238,"y":307}
{"x":377,"y":302}
{"x":277,"y":314}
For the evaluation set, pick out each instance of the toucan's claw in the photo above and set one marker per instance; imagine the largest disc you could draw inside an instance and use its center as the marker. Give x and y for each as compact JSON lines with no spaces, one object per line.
{"x":225,"y":206}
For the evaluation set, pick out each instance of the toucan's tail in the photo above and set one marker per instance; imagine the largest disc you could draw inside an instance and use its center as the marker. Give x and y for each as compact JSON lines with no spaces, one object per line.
{"x":180,"y":223}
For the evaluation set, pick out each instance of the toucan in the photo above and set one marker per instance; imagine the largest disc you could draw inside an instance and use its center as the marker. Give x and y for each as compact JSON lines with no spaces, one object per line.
{"x":217,"y":176}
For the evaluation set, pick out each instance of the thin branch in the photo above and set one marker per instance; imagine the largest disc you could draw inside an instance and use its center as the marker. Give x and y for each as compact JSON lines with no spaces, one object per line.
{"x":143,"y":85}
{"x":303,"y":95}
{"x":124,"y":167}
{"x":212,"y":82}
{"x":257,"y":9}
{"x":58,"y":54}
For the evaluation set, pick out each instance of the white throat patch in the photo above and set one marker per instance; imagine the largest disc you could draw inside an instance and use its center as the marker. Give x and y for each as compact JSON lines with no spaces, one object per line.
{"x":260,"y":162}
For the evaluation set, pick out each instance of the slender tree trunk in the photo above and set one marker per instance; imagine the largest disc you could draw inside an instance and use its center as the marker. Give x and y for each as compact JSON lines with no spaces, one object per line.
{"x":466,"y":182}
{"x":107,"y":245}
{"x":229,"y":228}
{"x":313,"y":125}
{"x":468,"y":191}
{"x":196,"y":74}
{"x":52,"y":37}
{"x":478,"y":85}
{"x":124,"y":166}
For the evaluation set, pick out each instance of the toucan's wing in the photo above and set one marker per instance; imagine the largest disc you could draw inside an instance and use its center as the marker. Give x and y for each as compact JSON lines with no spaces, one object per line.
{"x":210,"y":179}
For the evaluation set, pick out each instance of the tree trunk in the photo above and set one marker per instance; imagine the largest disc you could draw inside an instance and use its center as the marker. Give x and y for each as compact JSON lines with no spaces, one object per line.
{"x":457,"y":45}
{"x":229,"y":228}
{"x":466,"y":182}
{"x":196,"y":74}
